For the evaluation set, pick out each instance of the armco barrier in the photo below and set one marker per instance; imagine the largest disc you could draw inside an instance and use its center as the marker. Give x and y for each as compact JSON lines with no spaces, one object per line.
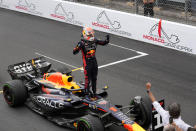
{"x":162,"y":33}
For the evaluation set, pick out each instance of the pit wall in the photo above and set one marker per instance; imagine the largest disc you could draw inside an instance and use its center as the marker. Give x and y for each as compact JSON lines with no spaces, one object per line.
{"x":154,"y":31}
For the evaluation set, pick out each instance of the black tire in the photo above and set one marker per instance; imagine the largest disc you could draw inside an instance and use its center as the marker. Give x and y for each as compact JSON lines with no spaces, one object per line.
{"x":15,"y":94}
{"x":89,"y":123}
{"x":63,"y":70}
{"x":144,"y":112}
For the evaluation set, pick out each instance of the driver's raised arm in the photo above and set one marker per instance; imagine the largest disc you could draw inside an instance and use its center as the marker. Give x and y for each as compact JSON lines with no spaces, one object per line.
{"x":103,"y":42}
{"x":156,"y":105}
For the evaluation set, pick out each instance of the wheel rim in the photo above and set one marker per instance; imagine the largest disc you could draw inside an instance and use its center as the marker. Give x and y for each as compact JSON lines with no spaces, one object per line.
{"x":8,"y":95}
{"x":140,"y":119}
{"x":82,"y":126}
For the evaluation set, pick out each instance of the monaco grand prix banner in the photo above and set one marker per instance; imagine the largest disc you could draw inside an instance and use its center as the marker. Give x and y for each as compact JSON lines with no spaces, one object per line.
{"x":159,"y":32}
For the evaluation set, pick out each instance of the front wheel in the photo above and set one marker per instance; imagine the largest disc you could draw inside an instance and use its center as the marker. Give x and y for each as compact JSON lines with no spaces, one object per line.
{"x":89,"y":123}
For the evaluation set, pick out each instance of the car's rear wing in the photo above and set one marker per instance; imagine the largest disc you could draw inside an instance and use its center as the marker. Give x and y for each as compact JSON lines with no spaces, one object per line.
{"x":27,"y":67}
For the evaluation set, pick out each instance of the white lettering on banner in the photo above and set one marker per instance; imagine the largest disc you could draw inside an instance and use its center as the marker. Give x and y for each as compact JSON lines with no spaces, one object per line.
{"x":173,"y":35}
{"x":159,"y":124}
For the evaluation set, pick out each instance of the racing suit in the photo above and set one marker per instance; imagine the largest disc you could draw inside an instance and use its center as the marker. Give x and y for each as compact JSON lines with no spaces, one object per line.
{"x":88,"y":49}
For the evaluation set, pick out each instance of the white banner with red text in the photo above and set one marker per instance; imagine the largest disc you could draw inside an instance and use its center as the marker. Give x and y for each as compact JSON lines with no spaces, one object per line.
{"x":159,"y":32}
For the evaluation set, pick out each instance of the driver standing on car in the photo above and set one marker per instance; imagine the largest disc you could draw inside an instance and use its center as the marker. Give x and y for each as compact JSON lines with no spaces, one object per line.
{"x":87,"y":46}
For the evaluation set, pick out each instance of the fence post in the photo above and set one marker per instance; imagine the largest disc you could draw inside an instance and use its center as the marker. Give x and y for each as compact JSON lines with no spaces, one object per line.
{"x":157,"y":3}
{"x":136,"y":6}
{"x":187,"y":9}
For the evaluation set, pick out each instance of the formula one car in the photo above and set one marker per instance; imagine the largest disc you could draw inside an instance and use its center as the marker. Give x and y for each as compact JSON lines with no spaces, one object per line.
{"x":53,"y":94}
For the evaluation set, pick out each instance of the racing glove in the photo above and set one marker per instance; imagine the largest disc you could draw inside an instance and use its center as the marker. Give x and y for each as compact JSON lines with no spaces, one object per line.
{"x":77,"y":48}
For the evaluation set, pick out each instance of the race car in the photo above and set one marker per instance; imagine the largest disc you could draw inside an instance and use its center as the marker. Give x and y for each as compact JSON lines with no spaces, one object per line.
{"x":53,"y":94}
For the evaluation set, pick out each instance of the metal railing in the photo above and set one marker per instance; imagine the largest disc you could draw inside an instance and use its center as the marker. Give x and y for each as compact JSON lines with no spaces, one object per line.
{"x":182,"y":11}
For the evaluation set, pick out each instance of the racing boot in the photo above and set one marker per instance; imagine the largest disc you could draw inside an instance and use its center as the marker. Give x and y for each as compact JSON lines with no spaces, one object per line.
{"x":94,"y":97}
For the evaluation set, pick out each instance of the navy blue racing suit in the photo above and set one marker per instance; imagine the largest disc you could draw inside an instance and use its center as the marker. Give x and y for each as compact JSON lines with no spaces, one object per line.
{"x":88,"y":49}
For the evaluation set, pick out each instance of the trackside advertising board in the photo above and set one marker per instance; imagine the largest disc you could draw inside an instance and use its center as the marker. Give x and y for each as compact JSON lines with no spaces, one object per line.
{"x":158,"y":32}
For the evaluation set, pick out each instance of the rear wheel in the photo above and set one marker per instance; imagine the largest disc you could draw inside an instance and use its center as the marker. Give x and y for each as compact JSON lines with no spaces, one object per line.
{"x":89,"y":123}
{"x":143,"y":111}
{"x":14,"y":93}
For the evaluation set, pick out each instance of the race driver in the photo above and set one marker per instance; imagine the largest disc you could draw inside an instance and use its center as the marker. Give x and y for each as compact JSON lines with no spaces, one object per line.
{"x":87,"y":45}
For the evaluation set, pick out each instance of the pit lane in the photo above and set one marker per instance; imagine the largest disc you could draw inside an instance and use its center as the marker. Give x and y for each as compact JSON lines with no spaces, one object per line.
{"x":23,"y":37}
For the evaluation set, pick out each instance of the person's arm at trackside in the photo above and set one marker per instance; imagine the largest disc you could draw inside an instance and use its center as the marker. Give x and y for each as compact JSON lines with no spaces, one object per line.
{"x":148,"y":87}
{"x":156,"y":105}
{"x":77,"y":48}
{"x":103,"y":42}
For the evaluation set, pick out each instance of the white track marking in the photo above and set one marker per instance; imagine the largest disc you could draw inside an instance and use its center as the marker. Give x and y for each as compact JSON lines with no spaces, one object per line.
{"x":122,"y":47}
{"x":123,"y":60}
{"x":56,"y":60}
{"x":106,"y":65}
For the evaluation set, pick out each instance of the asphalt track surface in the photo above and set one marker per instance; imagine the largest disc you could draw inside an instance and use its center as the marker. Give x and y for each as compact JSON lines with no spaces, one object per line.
{"x":23,"y":37}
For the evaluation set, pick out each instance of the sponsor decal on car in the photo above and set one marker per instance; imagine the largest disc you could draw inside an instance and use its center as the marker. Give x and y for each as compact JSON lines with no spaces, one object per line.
{"x":61,"y":13}
{"x":102,"y":102}
{"x":158,"y":34}
{"x":28,"y":6}
{"x":103,"y":21}
{"x":3,"y":5}
{"x":26,"y":67}
{"x":48,"y":102}
{"x":92,"y":106}
{"x":123,"y":117}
